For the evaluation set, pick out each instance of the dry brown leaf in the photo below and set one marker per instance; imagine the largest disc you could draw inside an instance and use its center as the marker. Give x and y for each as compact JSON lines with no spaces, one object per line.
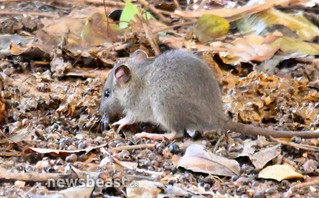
{"x":248,"y":48}
{"x":99,"y":29}
{"x":279,"y":172}
{"x":198,"y":159}
{"x":62,"y":153}
{"x":262,"y":157}
{"x":31,"y":51}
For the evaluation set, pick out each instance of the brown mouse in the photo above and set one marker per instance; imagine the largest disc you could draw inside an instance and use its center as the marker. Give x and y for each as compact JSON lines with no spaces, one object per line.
{"x":176,"y":90}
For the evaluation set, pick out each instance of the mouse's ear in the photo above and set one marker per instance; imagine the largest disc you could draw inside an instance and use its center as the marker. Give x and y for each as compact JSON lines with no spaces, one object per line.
{"x":122,"y":74}
{"x":139,"y":56}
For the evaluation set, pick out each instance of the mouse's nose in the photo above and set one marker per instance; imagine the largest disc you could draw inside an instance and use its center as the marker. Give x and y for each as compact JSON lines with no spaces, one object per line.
{"x":105,"y":120}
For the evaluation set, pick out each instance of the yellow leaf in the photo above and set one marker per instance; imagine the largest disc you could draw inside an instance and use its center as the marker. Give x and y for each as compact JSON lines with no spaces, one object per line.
{"x":279,"y":172}
{"x":210,"y":27}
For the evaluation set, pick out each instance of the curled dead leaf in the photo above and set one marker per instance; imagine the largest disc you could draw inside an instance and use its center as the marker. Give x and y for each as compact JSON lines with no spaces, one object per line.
{"x":198,"y":159}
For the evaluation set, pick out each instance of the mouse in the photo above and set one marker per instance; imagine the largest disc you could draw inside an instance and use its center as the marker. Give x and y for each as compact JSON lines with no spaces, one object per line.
{"x":175,"y":90}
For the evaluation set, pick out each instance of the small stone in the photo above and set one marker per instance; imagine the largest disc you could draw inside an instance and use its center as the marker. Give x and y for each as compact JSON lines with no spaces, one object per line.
{"x":71,"y":158}
{"x":174,"y":148}
{"x":19,"y":184}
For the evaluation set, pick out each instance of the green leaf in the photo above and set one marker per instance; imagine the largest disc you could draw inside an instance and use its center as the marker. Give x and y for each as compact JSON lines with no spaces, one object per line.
{"x":129,"y":12}
{"x":210,"y":27}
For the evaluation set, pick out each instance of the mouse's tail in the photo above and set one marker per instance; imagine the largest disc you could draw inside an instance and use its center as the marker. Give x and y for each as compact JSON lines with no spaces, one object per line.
{"x":250,"y":130}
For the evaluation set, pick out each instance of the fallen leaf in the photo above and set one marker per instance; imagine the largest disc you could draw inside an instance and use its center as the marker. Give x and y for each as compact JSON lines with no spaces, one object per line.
{"x":62,"y":153}
{"x":31,"y":51}
{"x":264,"y":155}
{"x":210,"y":27}
{"x":279,"y":172}
{"x":198,"y":159}
{"x":129,"y":12}
{"x":99,"y":29}
{"x":248,"y":48}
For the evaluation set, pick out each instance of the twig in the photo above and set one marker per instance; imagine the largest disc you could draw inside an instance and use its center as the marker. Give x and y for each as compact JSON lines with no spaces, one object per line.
{"x":28,"y":13}
{"x":154,"y":10}
{"x":218,"y":142}
{"x":150,"y":39}
{"x":297,"y":146}
{"x":9,"y":153}
{"x":302,"y":185}
{"x":173,"y":26}
{"x":149,"y":36}
{"x":139,"y":146}
{"x":98,"y":2}
{"x":42,"y":177}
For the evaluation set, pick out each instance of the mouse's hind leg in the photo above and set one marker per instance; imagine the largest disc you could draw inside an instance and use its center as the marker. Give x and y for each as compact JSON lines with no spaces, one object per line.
{"x":171,"y":117}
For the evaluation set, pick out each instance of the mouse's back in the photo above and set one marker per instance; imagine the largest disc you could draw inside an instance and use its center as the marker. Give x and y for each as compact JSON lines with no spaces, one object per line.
{"x":184,"y":92}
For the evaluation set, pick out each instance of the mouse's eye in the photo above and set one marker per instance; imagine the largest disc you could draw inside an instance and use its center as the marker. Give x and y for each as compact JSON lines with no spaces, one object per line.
{"x":107,"y":93}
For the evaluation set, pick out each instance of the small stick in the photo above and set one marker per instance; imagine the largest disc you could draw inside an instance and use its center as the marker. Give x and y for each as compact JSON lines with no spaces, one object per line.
{"x":173,"y":26}
{"x":98,"y":2}
{"x":149,"y":36}
{"x":139,"y":146}
{"x":297,"y":146}
{"x":218,"y":142}
{"x":28,"y":13}
{"x":153,"y":9}
{"x":42,"y":177}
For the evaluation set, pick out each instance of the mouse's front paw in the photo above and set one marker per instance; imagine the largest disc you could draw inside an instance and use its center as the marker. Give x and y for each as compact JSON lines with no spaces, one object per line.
{"x":122,"y":123}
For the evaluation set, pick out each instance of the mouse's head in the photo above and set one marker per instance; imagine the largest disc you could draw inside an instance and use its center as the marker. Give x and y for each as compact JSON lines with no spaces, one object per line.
{"x":121,"y":88}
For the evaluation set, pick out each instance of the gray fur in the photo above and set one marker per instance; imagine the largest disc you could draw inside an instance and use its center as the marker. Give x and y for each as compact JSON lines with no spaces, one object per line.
{"x":176,"y":90}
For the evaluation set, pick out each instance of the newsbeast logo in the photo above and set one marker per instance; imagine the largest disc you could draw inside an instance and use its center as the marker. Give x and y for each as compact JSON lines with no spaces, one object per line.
{"x":90,"y":182}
